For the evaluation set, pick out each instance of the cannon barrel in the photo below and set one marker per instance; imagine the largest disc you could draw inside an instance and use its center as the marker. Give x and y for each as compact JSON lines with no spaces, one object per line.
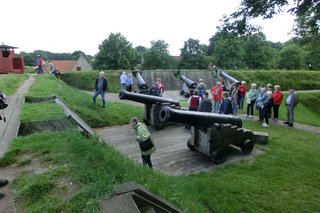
{"x":197,"y":119}
{"x":141,"y":83}
{"x":146,"y":99}
{"x":228,"y":77}
{"x":189,"y":83}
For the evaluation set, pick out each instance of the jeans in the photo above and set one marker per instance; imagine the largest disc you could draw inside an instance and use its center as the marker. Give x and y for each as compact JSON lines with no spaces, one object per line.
{"x":146,"y":160}
{"x":216,"y":106}
{"x":290,"y":114}
{"x":241,"y":102}
{"x":250,"y":107}
{"x":234,"y":108}
{"x":101,"y":93}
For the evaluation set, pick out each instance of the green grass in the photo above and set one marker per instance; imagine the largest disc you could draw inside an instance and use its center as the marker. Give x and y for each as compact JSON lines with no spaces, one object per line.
{"x":10,"y":83}
{"x":41,"y":112}
{"x":81,"y":103}
{"x":283,"y":179}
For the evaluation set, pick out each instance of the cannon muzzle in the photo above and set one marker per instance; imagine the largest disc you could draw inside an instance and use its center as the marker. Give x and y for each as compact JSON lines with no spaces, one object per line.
{"x":228,"y":77}
{"x":198,"y":119}
{"x":191,"y":84}
{"x":146,"y":99}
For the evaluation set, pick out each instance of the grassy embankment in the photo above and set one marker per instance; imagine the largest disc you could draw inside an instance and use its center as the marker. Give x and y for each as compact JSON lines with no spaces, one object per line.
{"x":75,"y":172}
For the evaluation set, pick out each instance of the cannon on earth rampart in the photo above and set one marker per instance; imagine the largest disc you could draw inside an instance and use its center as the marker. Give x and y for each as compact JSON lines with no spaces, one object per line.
{"x":153,"y":105}
{"x":188,"y":85}
{"x":212,"y":133}
{"x":143,"y":87}
{"x":216,"y":73}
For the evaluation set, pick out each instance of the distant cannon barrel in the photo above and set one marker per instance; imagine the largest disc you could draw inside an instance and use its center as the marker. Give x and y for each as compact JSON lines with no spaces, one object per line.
{"x":146,"y":99}
{"x":197,"y":119}
{"x":141,"y":83}
{"x":228,"y":77}
{"x":188,"y":82}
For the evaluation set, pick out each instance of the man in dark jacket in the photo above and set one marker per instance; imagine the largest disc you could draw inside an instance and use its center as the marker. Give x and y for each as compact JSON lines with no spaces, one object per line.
{"x":100,"y":86}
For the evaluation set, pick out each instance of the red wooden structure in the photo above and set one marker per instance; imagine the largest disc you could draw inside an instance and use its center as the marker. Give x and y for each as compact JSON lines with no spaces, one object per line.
{"x":9,"y":63}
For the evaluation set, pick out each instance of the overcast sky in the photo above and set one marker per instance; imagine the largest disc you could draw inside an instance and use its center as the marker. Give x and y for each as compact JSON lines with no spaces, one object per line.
{"x":70,"y":25}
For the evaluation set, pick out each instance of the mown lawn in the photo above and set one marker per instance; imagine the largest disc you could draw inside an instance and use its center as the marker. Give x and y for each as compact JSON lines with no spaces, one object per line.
{"x":74,"y":172}
{"x":10,"y":83}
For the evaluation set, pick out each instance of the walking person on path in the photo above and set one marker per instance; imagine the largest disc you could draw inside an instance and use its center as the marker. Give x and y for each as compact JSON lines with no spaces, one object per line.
{"x":144,"y":139}
{"x":101,"y":87}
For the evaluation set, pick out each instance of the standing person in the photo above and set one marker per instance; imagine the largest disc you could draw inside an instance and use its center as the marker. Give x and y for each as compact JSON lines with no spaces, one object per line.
{"x":194,"y":101}
{"x":160,"y":85}
{"x":216,"y":93}
{"x":3,"y":182}
{"x":226,"y":105}
{"x":129,"y":82}
{"x":154,"y":90}
{"x":291,"y":102}
{"x":40,"y":64}
{"x":234,"y":98}
{"x":243,"y":91}
{"x":251,"y":99}
{"x":262,"y":97}
{"x":205,"y":104}
{"x":266,"y":108}
{"x":145,"y":143}
{"x":123,"y":79}
{"x":277,"y":99}
{"x":202,"y":88}
{"x":101,"y":87}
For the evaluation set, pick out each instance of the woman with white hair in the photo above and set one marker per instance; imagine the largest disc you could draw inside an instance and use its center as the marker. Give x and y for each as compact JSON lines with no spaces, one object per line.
{"x":266,"y":108}
{"x":251,"y":99}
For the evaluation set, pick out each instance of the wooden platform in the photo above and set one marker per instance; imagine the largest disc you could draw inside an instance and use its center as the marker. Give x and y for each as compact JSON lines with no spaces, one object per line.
{"x":172,"y":155}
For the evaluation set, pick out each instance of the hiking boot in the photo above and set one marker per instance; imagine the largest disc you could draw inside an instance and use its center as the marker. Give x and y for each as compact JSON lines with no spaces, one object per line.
{"x":286,"y":122}
{"x":1,"y":195}
{"x":265,"y":125}
{"x":3,"y":182}
{"x":290,"y":125}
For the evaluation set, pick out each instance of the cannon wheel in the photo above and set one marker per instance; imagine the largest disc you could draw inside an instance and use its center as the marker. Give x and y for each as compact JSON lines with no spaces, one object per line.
{"x":247,"y":146}
{"x":190,"y":146}
{"x":218,"y":156}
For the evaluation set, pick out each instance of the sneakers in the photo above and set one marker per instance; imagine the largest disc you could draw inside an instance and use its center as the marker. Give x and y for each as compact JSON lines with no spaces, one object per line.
{"x":245,"y":115}
{"x":265,"y":125}
{"x":3,"y":182}
{"x":250,"y":116}
{"x":275,"y":119}
{"x":290,"y":125}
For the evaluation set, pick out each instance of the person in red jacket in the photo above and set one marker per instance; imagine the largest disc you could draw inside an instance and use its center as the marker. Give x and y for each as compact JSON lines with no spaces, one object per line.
{"x":243,"y":91}
{"x":216,"y":93}
{"x":277,"y":99}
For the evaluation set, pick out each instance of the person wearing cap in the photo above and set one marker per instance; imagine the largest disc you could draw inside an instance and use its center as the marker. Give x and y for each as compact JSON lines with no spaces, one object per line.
{"x":123,"y":79}
{"x":216,"y":93}
{"x":101,"y":87}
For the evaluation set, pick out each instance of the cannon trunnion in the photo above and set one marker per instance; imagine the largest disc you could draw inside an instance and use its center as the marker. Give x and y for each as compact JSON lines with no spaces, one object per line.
{"x":153,"y":105}
{"x":211,"y":133}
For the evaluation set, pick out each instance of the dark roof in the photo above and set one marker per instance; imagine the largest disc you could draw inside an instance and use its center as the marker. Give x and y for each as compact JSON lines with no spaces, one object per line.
{"x":3,"y":46}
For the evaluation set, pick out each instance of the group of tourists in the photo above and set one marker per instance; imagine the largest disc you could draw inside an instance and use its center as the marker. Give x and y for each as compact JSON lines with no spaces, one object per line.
{"x":41,"y":65}
{"x":266,"y":99}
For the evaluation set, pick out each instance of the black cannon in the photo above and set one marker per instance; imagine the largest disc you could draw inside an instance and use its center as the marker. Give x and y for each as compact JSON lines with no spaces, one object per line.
{"x":143,"y":87}
{"x":153,"y":105}
{"x":212,"y":133}
{"x":188,"y":85}
{"x":216,"y":73}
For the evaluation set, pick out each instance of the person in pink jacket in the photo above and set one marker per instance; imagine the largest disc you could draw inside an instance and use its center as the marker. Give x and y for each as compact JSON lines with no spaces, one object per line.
{"x":216,"y":93}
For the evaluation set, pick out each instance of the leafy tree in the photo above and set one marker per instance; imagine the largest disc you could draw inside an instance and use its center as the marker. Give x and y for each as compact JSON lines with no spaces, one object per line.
{"x":228,"y":50}
{"x":291,"y":57}
{"x":158,"y":57}
{"x":193,"y":55}
{"x":258,"y":53}
{"x":307,"y":14}
{"x":116,"y":53}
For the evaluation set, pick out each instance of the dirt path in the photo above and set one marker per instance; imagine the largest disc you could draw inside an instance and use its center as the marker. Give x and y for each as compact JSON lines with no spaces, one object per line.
{"x":8,"y":131}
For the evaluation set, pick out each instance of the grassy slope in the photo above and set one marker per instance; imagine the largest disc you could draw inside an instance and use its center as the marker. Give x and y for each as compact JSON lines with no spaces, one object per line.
{"x":10,"y":83}
{"x":81,"y":102}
